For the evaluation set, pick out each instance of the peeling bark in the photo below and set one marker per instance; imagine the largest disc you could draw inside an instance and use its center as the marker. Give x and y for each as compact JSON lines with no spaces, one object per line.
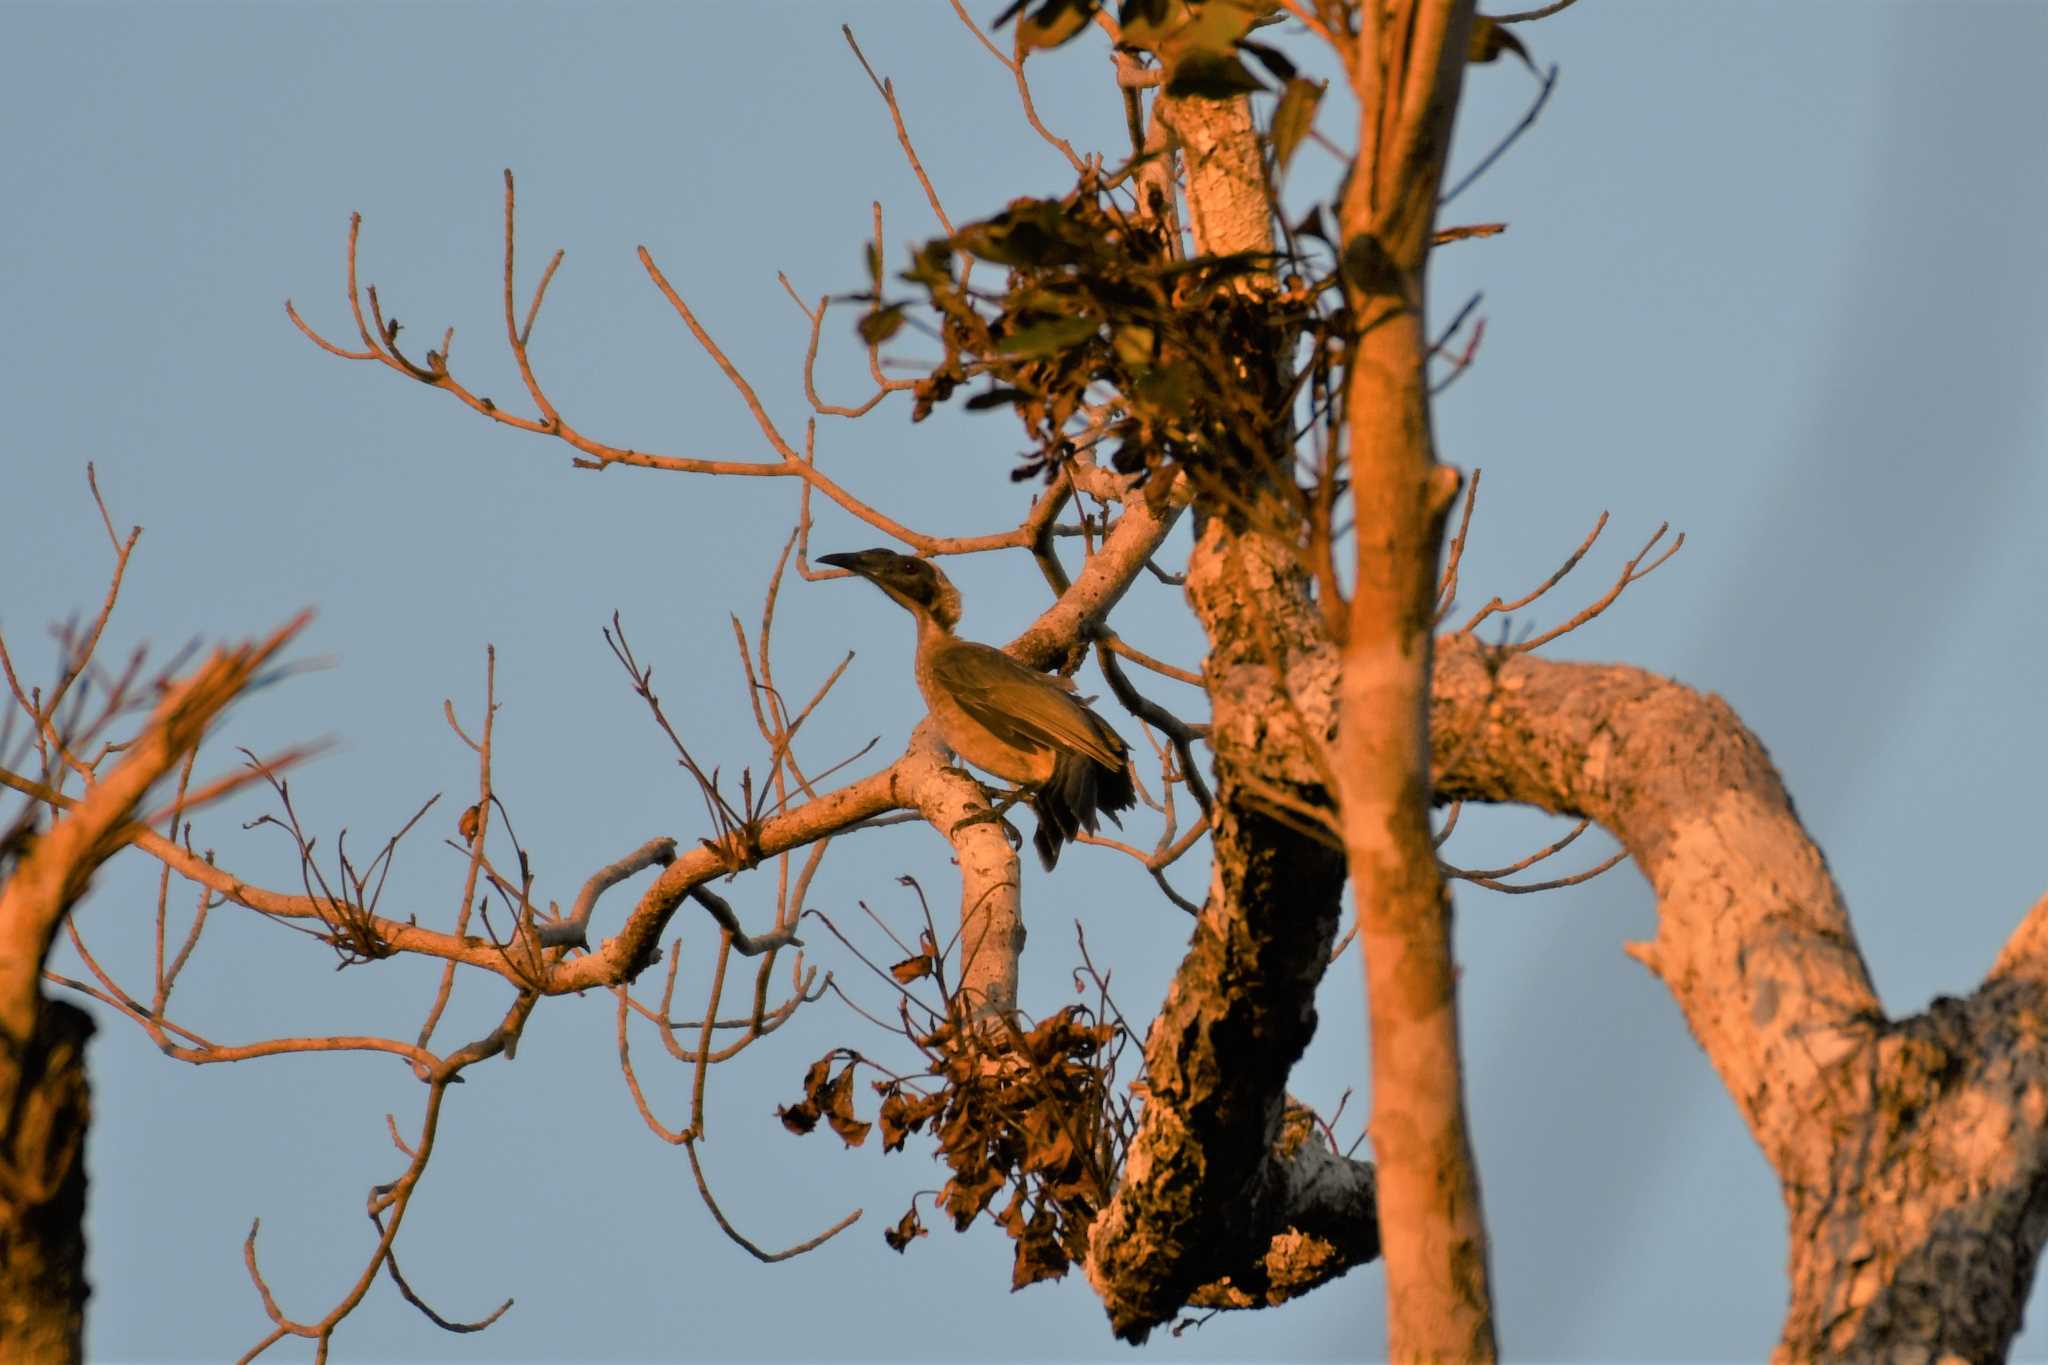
{"x":1219,"y":1202}
{"x":1204,"y":1191}
{"x":1317,"y":1222}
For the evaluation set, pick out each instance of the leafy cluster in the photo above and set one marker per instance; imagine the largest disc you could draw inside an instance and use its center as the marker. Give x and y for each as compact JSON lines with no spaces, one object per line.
{"x":1199,"y":44}
{"x":1102,"y":332}
{"x":1025,"y":1111}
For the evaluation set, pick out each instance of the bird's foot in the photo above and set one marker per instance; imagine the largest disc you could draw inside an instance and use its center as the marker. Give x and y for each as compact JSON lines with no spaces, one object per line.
{"x":996,"y":813}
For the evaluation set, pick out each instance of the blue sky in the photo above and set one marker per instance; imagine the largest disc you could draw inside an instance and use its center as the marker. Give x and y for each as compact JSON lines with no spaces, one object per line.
{"x":1772,"y":274}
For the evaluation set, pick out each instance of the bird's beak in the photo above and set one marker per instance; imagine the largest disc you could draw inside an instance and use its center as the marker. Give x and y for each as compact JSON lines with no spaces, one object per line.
{"x":853,"y":561}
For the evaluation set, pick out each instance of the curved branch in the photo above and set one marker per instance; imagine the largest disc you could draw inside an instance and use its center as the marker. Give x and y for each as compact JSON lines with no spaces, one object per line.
{"x":381,"y":346}
{"x":572,"y":931}
{"x":1752,"y":938}
{"x":1913,"y":1153}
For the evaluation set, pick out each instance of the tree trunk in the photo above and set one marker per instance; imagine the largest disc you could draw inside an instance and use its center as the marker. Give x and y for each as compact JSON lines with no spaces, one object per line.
{"x":1203,"y":1196}
{"x":48,"y":1103}
{"x":45,"y":1101}
{"x":1922,"y":1241}
{"x":1406,"y":69}
{"x":1200,"y":1185}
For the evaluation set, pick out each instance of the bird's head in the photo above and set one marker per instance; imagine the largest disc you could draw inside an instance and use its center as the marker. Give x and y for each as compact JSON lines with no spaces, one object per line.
{"x":916,"y":584}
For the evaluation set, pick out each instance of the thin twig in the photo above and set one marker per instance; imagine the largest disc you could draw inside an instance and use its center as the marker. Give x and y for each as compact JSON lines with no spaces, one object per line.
{"x":1572,"y":562}
{"x":1500,"y":148}
{"x":1447,"y":587}
{"x":1629,"y":574}
{"x":1523,"y":890}
{"x":887,"y":90}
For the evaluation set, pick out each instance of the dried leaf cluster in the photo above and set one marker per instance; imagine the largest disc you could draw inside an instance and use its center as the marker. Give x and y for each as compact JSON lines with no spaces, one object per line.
{"x":1035,"y":1112}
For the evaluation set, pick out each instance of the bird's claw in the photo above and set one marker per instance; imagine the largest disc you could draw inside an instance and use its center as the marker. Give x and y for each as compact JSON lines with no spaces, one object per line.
{"x":994,"y":813}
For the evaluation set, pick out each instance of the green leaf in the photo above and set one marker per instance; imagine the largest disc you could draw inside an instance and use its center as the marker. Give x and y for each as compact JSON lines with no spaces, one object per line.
{"x":1176,"y":33}
{"x":1134,"y":344}
{"x":878,"y":325}
{"x":1029,"y":233}
{"x":1216,"y":26}
{"x":1049,"y":337}
{"x":1292,"y":120}
{"x":1145,"y":24}
{"x":1208,"y":76}
{"x":996,"y":398}
{"x":1051,"y":24}
{"x":932,"y":266}
{"x":1164,"y":392}
{"x":1272,"y":58}
{"x":1130,"y":12}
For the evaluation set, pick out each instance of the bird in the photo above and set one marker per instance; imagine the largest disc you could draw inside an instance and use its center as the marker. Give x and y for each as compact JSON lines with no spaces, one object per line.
{"x":1004,"y":718}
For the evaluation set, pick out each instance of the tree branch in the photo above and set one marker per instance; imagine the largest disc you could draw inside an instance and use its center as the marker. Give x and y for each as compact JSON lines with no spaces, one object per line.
{"x":1752,"y":937}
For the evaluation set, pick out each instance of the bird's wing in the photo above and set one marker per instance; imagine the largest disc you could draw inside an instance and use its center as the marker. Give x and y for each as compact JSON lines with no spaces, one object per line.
{"x":1020,"y":707}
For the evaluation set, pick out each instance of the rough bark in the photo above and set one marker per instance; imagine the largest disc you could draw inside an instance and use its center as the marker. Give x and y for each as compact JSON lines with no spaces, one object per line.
{"x":1230,"y":206}
{"x":1318,"y":1220}
{"x":1921,"y":1241}
{"x":1913,"y":1154}
{"x":1217,"y":1203}
{"x":42,"y":1191}
{"x":1752,"y":939}
{"x":1202,"y":1197}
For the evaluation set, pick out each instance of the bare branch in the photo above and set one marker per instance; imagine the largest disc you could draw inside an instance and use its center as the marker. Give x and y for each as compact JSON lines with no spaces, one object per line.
{"x":1527,"y":888}
{"x":1496,"y":605}
{"x":1118,"y":644}
{"x":1629,"y":574}
{"x":570,"y":932}
{"x":739,"y":1239}
{"x":1447,"y":586}
{"x":55,"y":870}
{"x":887,"y":91}
{"x":752,"y":946}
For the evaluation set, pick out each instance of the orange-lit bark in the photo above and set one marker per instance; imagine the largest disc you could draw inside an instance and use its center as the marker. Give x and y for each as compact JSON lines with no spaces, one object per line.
{"x":45,"y":1097}
{"x":1406,"y":70}
{"x":1216,"y":1204}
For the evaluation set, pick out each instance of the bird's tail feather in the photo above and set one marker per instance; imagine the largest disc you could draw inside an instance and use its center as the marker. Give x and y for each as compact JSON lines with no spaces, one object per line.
{"x":1079,"y":790}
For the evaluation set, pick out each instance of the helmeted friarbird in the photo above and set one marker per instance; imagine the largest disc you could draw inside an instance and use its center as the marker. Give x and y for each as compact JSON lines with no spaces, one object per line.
{"x":1025,"y":727}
